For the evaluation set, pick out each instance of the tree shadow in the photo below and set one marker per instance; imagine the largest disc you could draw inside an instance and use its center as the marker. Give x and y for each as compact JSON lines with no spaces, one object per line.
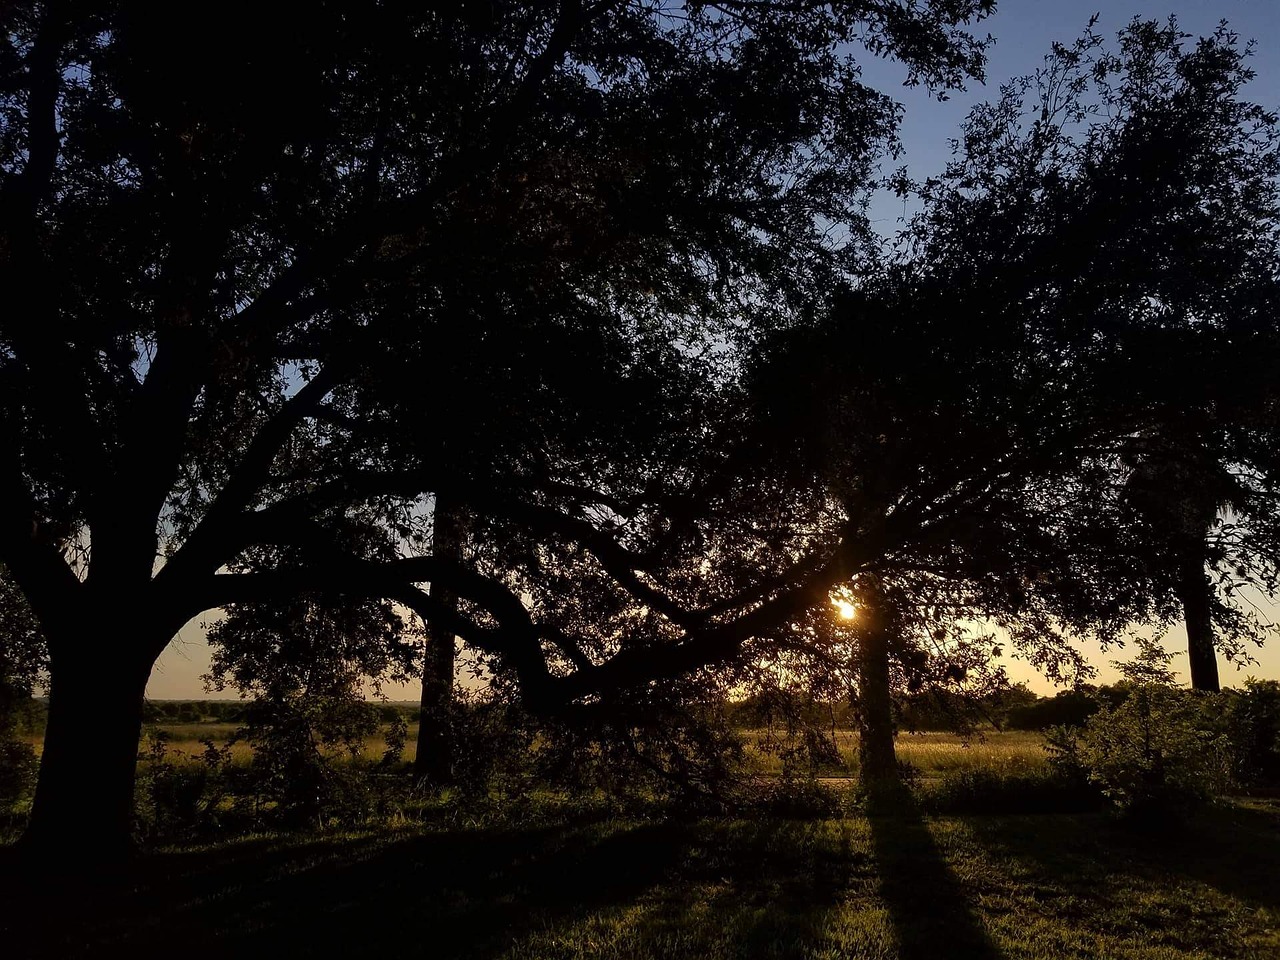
{"x":1231,"y":849}
{"x":1235,"y":850}
{"x":931,"y":914}
{"x":465,"y":893}
{"x":754,"y":888}
{"x":762,"y":888}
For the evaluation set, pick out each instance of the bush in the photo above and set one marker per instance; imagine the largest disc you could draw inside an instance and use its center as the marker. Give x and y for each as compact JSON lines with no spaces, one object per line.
{"x":985,"y":791}
{"x":797,"y":798}
{"x":492,"y":744}
{"x":1158,"y":752}
{"x":18,"y":769}
{"x":308,"y":767}
{"x":1252,"y":718}
{"x":1156,"y":755}
{"x":177,"y":798}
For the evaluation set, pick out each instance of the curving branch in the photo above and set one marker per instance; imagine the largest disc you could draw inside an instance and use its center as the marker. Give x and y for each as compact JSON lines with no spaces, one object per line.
{"x":517,"y":638}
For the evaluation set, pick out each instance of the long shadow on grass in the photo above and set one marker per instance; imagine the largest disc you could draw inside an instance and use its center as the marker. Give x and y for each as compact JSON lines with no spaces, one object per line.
{"x":466,"y":893}
{"x":759,"y":888}
{"x":1231,"y":849}
{"x":927,"y":904}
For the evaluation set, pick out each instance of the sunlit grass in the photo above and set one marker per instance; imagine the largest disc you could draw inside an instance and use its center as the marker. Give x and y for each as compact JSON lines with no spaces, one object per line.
{"x":186,"y":741}
{"x":933,"y":754}
{"x":997,"y":751}
{"x":573,"y":882}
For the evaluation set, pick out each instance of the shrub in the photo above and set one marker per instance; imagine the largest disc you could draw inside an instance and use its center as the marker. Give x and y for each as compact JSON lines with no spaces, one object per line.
{"x":1157,"y":753}
{"x":18,"y":769}
{"x":307,"y":766}
{"x":492,"y":742}
{"x":986,"y":791}
{"x":1252,"y":718}
{"x":799,"y":798}
{"x":177,"y":798}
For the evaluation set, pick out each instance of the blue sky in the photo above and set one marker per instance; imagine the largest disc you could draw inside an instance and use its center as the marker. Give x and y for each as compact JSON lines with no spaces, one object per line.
{"x":1024,"y":31}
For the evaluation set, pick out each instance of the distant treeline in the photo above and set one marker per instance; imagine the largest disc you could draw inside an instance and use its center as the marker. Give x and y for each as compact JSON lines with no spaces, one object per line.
{"x":32,"y":713}
{"x":1015,"y":708}
{"x":237,"y":711}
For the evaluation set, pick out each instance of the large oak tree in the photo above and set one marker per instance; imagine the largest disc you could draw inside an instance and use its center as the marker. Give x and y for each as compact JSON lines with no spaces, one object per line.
{"x":1040,"y":405}
{"x":272,"y":285}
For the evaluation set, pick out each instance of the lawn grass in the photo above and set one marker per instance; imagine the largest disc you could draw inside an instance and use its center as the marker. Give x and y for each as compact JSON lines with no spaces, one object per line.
{"x":883,"y":887}
{"x":933,"y":754}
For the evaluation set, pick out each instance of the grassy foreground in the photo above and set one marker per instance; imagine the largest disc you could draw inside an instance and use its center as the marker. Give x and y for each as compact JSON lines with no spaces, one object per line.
{"x":882,"y":887}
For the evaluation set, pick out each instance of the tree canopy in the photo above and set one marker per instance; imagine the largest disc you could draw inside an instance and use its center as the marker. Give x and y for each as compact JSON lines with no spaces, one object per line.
{"x":600,"y":274}
{"x":1096,"y":267}
{"x":282,"y":286}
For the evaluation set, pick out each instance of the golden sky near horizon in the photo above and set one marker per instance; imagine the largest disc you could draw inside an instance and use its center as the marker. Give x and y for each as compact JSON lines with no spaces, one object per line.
{"x":176,"y":675}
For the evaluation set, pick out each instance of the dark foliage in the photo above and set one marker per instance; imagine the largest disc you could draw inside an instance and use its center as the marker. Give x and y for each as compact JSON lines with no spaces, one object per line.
{"x":1252,"y":718}
{"x":1068,"y":708}
{"x":990,"y":793}
{"x":282,"y":287}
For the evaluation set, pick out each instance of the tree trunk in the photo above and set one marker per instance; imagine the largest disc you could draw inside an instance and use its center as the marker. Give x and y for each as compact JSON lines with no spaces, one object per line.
{"x":1194,"y":593}
{"x":433,"y":763}
{"x":878,"y":763}
{"x":83,"y":808}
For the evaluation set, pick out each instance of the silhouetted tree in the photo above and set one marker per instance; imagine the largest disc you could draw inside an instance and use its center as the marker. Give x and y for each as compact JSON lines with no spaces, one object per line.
{"x":1098,"y":263}
{"x":433,"y":762}
{"x":267,"y":282}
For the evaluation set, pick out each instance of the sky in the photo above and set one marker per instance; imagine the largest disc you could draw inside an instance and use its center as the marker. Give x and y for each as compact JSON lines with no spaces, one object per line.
{"x":1023,"y":31}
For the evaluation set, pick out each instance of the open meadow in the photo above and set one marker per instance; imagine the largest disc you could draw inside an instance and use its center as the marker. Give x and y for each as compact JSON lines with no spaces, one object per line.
{"x":933,"y":754}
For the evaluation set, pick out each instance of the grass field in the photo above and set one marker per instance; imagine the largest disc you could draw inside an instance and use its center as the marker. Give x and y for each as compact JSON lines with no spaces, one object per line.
{"x":934,"y":754}
{"x":570,"y":882}
{"x":903,"y":887}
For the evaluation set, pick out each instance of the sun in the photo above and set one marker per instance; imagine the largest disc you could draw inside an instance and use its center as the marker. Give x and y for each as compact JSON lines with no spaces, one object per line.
{"x":845,"y":609}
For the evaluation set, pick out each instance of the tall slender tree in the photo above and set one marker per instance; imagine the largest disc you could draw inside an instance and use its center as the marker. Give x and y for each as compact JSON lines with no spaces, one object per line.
{"x":433,"y":762}
{"x":1177,"y":497}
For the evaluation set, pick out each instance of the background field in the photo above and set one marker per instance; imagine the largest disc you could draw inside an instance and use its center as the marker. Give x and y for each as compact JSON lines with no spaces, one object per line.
{"x":933,"y":754}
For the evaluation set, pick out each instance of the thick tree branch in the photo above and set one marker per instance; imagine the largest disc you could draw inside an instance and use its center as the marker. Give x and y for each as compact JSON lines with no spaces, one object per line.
{"x":706,"y":647}
{"x":517,"y":638}
{"x":24,"y":192}
{"x":32,"y":558}
{"x":227,"y":528}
